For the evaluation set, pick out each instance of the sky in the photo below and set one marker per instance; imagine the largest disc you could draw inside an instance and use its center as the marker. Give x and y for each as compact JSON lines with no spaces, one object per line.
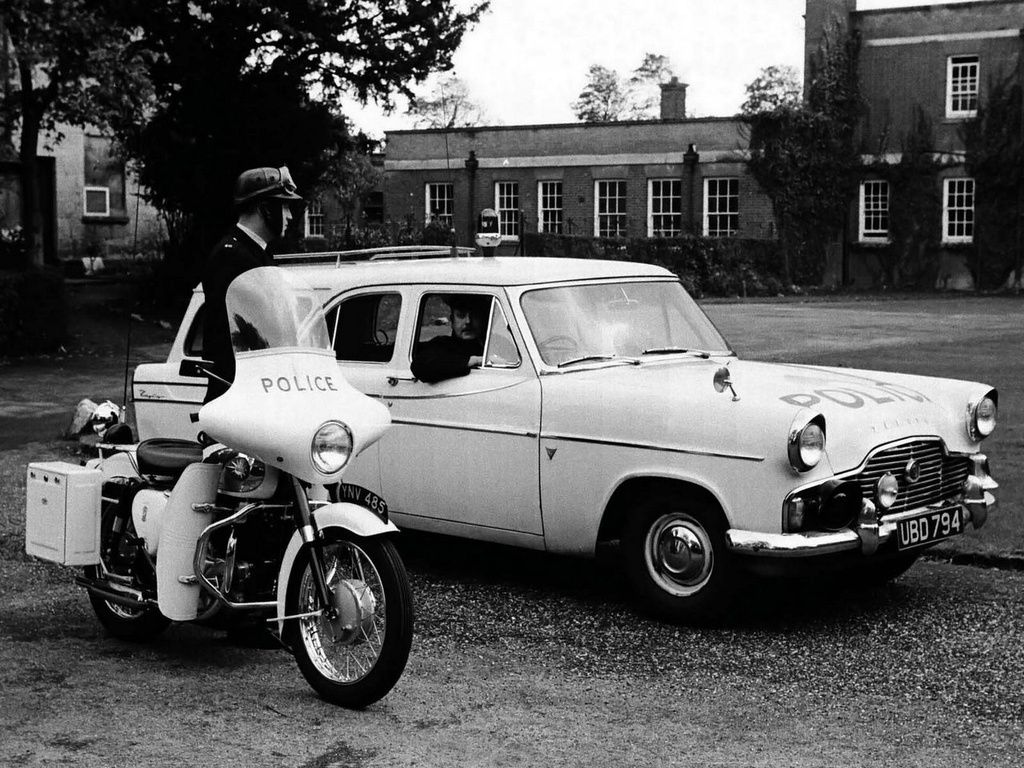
{"x":527,"y":60}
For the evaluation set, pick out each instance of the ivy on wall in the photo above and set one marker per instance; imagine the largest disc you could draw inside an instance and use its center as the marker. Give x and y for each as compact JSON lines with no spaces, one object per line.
{"x":805,"y":159}
{"x":994,"y":141}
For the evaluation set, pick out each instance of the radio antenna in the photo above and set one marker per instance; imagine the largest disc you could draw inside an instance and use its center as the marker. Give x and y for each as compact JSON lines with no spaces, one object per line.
{"x":448,"y":163}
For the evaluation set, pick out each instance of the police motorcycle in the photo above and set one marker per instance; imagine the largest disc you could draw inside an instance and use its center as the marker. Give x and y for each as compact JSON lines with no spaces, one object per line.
{"x":253,"y":521}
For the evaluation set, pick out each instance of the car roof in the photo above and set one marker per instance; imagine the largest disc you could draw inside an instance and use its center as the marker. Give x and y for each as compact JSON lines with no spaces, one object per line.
{"x":470,"y":270}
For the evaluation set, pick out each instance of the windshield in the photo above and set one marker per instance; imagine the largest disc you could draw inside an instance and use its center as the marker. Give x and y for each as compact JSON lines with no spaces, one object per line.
{"x":621,"y":319}
{"x":270,"y":308}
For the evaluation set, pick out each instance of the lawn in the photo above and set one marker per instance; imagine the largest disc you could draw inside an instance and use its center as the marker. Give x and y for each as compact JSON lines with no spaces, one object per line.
{"x":974,"y":338}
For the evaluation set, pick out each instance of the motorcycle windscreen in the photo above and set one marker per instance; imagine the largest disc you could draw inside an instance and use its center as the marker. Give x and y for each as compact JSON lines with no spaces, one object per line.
{"x":287,"y":382}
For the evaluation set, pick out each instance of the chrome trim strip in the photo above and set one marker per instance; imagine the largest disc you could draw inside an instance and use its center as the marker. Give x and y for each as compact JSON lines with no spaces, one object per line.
{"x":651,"y":447}
{"x":464,"y":428}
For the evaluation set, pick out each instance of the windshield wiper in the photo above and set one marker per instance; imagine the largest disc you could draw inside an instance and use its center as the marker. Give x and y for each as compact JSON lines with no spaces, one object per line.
{"x":676,"y":351}
{"x":596,"y":359}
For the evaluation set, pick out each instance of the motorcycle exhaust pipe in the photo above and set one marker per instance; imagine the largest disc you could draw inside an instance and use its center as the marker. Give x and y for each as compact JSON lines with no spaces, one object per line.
{"x":133,"y":600}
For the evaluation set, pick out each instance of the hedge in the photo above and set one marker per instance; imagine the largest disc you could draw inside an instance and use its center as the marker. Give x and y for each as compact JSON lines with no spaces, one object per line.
{"x":33,"y":311}
{"x":706,"y":266}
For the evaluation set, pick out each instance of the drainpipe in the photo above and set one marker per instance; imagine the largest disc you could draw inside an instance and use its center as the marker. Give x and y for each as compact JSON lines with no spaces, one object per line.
{"x":472,"y":164}
{"x":690,"y":160}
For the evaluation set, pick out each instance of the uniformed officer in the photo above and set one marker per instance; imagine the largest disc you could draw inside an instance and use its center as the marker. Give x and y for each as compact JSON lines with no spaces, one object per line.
{"x":263,"y":197}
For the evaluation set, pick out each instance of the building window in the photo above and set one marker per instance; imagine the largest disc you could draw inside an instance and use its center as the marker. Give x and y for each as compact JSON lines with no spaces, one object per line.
{"x":610,"y":208}
{"x":441,"y":204}
{"x":506,"y":202}
{"x":874,"y":210}
{"x":958,"y":211}
{"x":962,"y":86}
{"x":664,"y":207}
{"x":103,"y":192}
{"x":549,"y":207}
{"x":721,"y":207}
{"x":315,"y":218}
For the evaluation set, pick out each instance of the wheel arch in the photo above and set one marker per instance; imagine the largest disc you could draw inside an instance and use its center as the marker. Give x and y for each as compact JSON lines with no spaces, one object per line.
{"x":630,"y":489}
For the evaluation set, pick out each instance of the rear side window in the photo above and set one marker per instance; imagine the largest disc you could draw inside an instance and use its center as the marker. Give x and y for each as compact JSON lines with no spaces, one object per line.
{"x":363,"y":328}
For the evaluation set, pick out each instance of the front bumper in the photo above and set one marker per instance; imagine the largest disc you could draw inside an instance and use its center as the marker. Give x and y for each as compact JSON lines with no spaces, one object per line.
{"x":870,"y":530}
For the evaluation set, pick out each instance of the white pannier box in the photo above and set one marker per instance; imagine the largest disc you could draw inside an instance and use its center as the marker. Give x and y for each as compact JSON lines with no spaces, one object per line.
{"x":62,"y":519}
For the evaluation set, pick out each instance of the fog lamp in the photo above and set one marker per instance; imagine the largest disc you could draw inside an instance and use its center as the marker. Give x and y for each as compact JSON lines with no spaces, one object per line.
{"x":886,"y":490}
{"x":840,"y":504}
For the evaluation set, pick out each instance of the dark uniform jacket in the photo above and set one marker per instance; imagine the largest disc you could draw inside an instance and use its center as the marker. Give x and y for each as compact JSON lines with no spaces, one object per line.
{"x":235,"y":254}
{"x":444,"y":358}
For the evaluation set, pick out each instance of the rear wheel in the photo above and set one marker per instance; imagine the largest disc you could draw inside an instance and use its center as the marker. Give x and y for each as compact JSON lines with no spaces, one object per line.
{"x":676,"y":558}
{"x":120,"y":554}
{"x":353,"y":654}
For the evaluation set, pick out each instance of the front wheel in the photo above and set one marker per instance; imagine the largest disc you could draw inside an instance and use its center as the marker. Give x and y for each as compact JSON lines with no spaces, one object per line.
{"x":353,"y":653}
{"x":676,"y":559}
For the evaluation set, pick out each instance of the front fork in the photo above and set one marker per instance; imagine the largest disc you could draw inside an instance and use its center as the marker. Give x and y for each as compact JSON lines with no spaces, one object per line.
{"x":311,"y":536}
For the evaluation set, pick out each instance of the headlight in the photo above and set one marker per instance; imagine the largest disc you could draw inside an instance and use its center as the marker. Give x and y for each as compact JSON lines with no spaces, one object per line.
{"x":981,"y":417}
{"x":331,"y":447}
{"x":807,"y":444}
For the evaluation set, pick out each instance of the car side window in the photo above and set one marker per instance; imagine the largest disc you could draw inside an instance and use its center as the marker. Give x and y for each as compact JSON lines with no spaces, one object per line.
{"x":194,"y":337}
{"x":363,"y":328}
{"x":438,"y":312}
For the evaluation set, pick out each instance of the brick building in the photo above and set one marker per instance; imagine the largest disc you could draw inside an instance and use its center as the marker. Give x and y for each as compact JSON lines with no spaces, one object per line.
{"x":623,"y":179}
{"x":940,"y":59}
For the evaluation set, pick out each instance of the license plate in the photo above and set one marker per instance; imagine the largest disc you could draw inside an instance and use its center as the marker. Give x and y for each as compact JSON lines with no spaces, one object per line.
{"x":929,"y":527}
{"x":363,"y":497}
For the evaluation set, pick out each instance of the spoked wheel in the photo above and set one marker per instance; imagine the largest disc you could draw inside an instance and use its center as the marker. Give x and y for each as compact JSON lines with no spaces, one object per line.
{"x":354,"y":652}
{"x":676,"y":559}
{"x":128,"y":622}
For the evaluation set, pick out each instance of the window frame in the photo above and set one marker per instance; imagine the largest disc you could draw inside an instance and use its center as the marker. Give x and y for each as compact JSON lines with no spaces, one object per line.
{"x":864,"y":233}
{"x":953,"y":61}
{"x":677,"y":215}
{"x":508,"y":218}
{"x":947,"y":210}
{"x":312,"y":215}
{"x":622,"y":201}
{"x":429,"y":198}
{"x":542,"y":225}
{"x":85,"y":201}
{"x":728,"y":215}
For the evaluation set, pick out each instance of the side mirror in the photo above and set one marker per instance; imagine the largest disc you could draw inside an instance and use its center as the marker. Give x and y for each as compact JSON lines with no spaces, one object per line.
{"x":723,"y":381}
{"x":194,"y":369}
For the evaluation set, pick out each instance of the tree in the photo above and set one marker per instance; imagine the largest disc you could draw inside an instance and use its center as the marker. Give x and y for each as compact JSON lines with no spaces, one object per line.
{"x":76,"y":64}
{"x":643,"y":87}
{"x":447,"y":105}
{"x":608,"y":97}
{"x":804,"y":158}
{"x":776,"y":87}
{"x":238,"y":84}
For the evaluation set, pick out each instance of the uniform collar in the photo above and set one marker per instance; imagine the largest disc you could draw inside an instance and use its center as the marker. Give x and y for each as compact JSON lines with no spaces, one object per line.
{"x":258,"y":240}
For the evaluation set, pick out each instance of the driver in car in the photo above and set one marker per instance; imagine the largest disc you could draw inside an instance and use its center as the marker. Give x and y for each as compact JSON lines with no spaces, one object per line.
{"x":446,"y":357}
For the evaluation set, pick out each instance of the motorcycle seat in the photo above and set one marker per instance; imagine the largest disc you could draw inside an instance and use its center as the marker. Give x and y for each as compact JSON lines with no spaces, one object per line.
{"x":166,"y":456}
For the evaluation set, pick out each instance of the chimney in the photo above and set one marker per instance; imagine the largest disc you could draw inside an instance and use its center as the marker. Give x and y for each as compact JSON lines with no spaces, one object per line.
{"x":673,"y":100}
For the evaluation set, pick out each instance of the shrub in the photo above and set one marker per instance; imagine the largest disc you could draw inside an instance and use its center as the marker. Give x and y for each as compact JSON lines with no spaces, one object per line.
{"x":706,"y":266}
{"x":33,"y":311}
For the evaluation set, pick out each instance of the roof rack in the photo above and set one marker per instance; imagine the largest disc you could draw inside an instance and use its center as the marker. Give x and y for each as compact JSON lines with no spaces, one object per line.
{"x":379,"y":254}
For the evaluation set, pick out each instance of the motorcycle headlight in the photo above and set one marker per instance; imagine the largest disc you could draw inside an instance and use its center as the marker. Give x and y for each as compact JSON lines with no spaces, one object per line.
{"x":981,"y":416}
{"x":331,"y":447}
{"x":807,"y":444}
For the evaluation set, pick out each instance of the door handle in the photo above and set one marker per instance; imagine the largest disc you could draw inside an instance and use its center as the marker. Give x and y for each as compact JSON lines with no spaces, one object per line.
{"x":393,"y":380}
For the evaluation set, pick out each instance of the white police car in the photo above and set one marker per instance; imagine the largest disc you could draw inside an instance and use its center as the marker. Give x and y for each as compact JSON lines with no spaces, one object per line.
{"x":609,"y":408}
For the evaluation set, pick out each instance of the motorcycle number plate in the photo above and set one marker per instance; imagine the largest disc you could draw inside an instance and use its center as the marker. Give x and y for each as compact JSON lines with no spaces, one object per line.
{"x":363,"y":497}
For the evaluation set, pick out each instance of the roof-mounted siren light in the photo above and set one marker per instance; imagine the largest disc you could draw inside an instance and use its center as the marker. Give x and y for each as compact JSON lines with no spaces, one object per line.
{"x":488,"y":236}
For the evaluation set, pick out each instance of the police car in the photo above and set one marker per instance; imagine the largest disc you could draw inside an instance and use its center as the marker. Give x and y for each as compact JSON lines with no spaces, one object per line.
{"x":608,"y":408}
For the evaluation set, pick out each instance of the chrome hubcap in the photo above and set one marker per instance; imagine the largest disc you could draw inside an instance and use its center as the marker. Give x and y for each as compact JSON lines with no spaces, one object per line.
{"x":679,"y":554}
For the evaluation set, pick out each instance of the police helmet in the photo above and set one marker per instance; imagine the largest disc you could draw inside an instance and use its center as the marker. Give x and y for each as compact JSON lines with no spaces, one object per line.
{"x":265,"y":184}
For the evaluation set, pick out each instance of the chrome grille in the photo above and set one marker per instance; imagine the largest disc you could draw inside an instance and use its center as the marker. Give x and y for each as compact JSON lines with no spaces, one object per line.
{"x":941,"y":476}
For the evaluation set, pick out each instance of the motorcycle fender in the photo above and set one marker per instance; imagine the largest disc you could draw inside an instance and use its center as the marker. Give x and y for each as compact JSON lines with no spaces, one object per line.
{"x":349,"y":517}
